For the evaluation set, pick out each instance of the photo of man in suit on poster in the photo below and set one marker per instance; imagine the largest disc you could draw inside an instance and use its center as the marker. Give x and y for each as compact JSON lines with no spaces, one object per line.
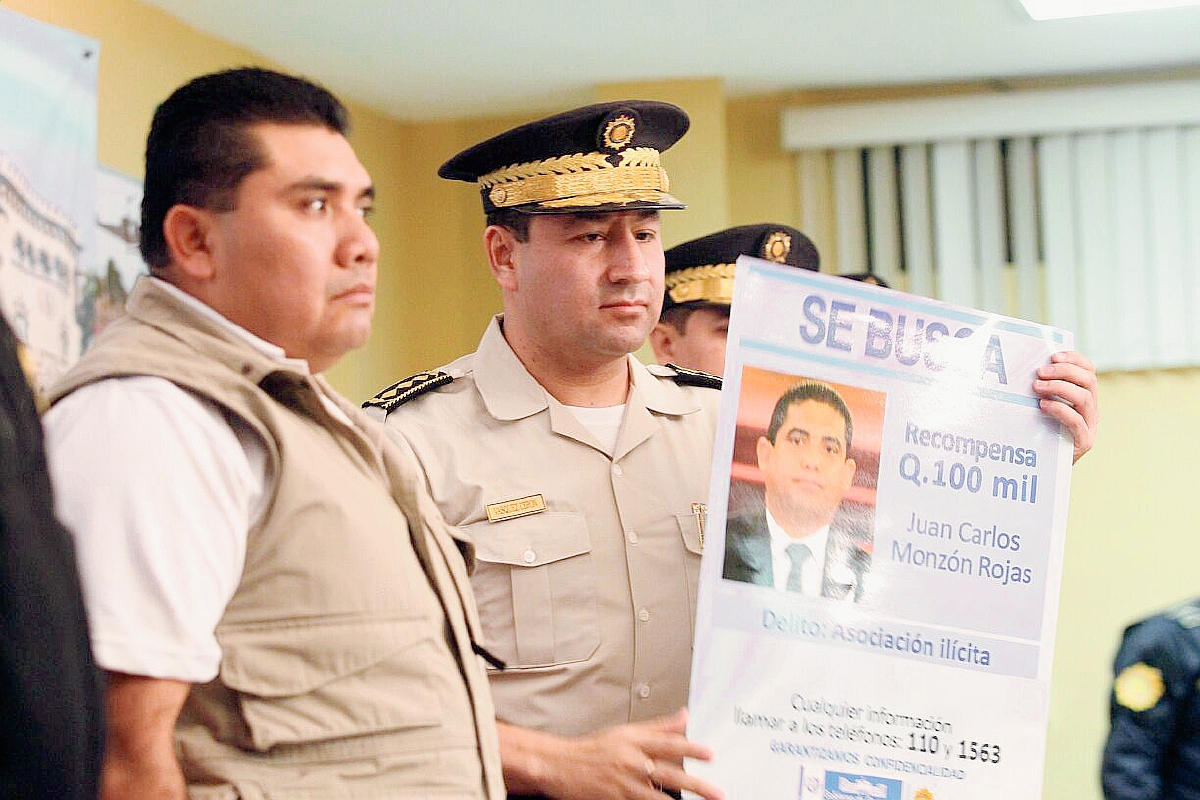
{"x":800,"y":539}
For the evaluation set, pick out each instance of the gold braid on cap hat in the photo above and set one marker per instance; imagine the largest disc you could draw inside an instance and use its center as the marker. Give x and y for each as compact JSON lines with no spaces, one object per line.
{"x":712,"y":283}
{"x":581,"y":179}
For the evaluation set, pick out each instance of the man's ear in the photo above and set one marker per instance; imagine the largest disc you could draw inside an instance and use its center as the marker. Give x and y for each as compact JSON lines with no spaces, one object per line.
{"x":849,"y":469}
{"x":663,"y":337}
{"x":500,"y":244}
{"x":187,"y":231}
{"x":764,"y":450}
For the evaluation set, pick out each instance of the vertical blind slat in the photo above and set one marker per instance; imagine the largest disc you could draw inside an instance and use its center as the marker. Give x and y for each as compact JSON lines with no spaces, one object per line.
{"x":885,"y":215}
{"x":990,"y":245}
{"x":918,"y":219}
{"x":1023,"y":225}
{"x":1168,"y":325}
{"x":816,"y":209}
{"x":850,"y":214}
{"x":1056,"y":201}
{"x":953,"y":222}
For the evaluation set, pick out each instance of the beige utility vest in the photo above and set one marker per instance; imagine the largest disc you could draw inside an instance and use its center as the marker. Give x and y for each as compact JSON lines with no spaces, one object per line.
{"x":347,"y":668}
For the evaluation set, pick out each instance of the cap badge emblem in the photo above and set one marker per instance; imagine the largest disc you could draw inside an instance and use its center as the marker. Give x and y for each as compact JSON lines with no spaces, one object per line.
{"x":777,"y":247}
{"x":618,"y":132}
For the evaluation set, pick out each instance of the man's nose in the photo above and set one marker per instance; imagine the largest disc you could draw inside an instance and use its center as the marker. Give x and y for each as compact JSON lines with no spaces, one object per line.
{"x":357,"y":244}
{"x":627,"y":259}
{"x":810,"y":456}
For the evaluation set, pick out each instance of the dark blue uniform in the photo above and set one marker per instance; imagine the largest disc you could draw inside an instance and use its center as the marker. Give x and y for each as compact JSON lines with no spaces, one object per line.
{"x":51,"y":693}
{"x":1153,"y":750}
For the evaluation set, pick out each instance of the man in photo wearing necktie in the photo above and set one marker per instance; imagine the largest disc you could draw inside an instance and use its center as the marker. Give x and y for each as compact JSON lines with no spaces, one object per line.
{"x":806,"y":466}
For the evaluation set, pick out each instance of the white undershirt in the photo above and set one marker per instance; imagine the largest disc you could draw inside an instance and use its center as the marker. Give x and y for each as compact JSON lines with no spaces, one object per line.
{"x":603,"y":423}
{"x":160,"y":489}
{"x":812,"y":574}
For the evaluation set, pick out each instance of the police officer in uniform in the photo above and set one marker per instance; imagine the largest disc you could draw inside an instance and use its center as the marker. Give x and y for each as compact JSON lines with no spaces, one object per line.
{"x":1153,"y":749}
{"x":579,"y":473}
{"x":694,"y":322}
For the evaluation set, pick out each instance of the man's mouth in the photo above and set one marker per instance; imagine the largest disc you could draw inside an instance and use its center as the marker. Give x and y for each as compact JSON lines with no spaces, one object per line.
{"x":625,"y":303}
{"x":361,"y":293}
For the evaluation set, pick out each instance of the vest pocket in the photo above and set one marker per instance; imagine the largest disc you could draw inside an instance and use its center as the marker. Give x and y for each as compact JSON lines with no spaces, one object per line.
{"x":312,"y":680}
{"x":535,"y":587}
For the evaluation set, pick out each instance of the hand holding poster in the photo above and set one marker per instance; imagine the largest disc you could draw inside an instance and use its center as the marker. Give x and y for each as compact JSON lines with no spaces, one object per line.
{"x":885,"y":534}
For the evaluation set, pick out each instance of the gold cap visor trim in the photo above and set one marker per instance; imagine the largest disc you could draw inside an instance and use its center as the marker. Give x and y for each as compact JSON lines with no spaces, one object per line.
{"x":647,"y":198}
{"x":577,"y":188}
{"x":711,"y":283}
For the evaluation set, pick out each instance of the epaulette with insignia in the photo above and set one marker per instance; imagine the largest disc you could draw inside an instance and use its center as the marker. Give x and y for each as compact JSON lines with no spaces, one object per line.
{"x":695,"y":377}
{"x":401,"y":392}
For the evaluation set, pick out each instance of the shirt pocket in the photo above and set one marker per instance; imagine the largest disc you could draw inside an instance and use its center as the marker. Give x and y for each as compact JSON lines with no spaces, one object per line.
{"x":535,"y":587}
{"x":693,"y":543}
{"x":312,"y":680}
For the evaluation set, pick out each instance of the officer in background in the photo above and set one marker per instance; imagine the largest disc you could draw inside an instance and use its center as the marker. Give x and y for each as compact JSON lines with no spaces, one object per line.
{"x":579,"y":473}
{"x":694,"y":323}
{"x":1153,"y":748}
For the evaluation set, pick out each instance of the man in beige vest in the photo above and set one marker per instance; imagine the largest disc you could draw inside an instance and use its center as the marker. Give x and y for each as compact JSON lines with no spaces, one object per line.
{"x":579,"y":473}
{"x":279,"y":605}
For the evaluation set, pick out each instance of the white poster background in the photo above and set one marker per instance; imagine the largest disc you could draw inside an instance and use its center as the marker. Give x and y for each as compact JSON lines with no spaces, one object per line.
{"x":935,"y":684}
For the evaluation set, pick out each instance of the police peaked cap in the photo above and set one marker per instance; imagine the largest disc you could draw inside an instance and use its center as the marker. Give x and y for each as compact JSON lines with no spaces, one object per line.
{"x":701,"y":270}
{"x":603,"y":157}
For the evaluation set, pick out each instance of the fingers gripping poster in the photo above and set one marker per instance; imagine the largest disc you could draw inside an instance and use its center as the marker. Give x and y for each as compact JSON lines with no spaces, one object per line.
{"x":883,"y":552}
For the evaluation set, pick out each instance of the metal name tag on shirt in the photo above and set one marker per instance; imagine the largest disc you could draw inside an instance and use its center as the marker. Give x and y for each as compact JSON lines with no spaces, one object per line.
{"x":511,"y":509}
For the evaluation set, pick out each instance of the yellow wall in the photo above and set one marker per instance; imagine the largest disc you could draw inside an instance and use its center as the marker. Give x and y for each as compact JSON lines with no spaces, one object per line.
{"x":1130,"y":545}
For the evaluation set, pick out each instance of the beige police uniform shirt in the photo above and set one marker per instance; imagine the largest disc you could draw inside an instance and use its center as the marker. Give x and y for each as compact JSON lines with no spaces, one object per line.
{"x":587,"y":569}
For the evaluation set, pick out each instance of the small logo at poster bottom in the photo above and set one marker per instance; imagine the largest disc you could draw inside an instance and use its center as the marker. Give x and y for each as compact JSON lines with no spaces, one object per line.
{"x":845,"y":786}
{"x":923,"y":794}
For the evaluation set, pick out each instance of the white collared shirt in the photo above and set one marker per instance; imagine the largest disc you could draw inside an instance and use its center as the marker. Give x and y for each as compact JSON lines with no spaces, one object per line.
{"x":812,"y":574}
{"x":160,"y":529}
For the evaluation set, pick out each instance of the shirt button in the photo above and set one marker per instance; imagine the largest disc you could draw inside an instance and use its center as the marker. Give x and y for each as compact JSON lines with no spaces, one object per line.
{"x":644,"y":615}
{"x":529,"y":556}
{"x":616,"y":470}
{"x":631,"y":537}
{"x":644,"y":691}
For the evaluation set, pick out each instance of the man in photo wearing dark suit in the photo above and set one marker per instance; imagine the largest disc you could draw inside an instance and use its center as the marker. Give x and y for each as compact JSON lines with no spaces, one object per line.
{"x":805,"y":461}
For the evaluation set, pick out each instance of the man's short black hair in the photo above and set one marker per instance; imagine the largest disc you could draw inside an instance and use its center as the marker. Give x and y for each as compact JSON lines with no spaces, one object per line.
{"x":810,"y":390}
{"x":515,"y":221}
{"x":200,"y":148}
{"x":677,"y":315}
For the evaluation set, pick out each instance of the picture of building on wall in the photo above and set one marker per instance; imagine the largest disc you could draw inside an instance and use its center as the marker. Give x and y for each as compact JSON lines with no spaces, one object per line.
{"x":110,"y":270}
{"x":39,"y":265}
{"x":47,"y":185}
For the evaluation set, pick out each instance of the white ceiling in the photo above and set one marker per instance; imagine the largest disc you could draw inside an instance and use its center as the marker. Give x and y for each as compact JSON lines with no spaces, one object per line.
{"x":421,"y":59}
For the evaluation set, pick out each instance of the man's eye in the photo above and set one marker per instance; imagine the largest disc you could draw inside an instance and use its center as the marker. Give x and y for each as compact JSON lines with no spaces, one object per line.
{"x":366,"y":211}
{"x":316,"y":205}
